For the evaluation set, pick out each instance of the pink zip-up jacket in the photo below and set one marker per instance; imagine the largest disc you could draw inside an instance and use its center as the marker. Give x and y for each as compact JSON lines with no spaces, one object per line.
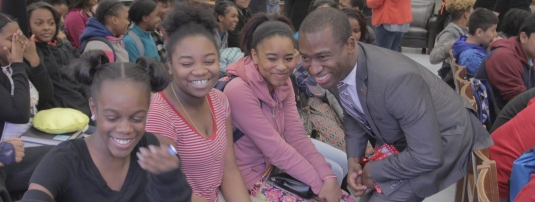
{"x":266,"y":126}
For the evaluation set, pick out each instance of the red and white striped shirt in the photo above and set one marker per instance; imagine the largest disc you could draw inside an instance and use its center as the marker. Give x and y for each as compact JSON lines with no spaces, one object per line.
{"x":202,"y":159}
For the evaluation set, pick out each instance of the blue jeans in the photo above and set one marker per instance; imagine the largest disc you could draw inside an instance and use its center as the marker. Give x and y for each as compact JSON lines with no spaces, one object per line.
{"x":387,"y":39}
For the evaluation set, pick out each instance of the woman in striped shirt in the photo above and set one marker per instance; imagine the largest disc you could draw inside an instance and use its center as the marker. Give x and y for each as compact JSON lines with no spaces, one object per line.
{"x":193,"y":116}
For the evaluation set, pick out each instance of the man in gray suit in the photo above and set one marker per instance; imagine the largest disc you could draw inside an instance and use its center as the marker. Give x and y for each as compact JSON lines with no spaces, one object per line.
{"x":395,"y":100}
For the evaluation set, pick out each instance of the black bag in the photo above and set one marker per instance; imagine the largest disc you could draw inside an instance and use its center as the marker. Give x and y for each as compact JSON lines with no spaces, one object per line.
{"x":286,"y":182}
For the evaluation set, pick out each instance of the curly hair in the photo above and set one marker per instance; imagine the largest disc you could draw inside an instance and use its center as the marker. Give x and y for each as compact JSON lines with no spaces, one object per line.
{"x":458,"y":7}
{"x":185,"y":20}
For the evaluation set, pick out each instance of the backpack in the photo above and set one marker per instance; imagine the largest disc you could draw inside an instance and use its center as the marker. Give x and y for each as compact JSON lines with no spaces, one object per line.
{"x":82,"y":46}
{"x":523,"y":167}
{"x":482,"y":101}
{"x":138,"y":42}
{"x":220,"y":85}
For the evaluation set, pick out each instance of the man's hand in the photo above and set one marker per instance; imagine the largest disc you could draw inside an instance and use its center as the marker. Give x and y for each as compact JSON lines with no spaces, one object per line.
{"x":369,"y":151}
{"x":19,"y":149}
{"x":367,"y":177}
{"x":354,"y":178}
{"x":330,"y":191}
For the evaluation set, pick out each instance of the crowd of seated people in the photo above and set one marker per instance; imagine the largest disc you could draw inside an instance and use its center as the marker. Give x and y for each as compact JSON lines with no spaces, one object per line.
{"x":503,"y":62}
{"x":145,"y":75}
{"x":459,"y":12}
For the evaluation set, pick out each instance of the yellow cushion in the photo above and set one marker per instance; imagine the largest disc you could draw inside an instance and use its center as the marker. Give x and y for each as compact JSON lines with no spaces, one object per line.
{"x":60,"y":120}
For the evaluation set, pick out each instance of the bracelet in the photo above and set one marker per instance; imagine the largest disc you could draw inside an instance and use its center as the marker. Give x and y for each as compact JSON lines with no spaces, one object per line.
{"x":328,"y":177}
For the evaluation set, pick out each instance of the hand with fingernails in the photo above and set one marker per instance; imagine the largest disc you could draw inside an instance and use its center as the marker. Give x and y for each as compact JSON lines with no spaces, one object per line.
{"x":30,"y":53}
{"x":157,"y":159}
{"x":354,"y":178}
{"x":16,"y":54}
{"x":18,"y":145}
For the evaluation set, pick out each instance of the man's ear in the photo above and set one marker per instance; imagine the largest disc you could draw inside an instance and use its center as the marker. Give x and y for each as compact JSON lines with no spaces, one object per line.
{"x":479,"y":32}
{"x":350,"y":44}
{"x":523,"y":37}
{"x":254,"y":55}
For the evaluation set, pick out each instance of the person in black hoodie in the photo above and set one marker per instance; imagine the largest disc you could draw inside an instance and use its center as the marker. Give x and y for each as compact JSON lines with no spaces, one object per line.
{"x":244,"y":16}
{"x":21,"y":85}
{"x":55,"y":55}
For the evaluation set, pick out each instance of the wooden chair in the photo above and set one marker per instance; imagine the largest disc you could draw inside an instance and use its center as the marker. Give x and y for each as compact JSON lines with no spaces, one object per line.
{"x":468,"y":93}
{"x":467,"y":185}
{"x":487,"y":182}
{"x":459,"y":77}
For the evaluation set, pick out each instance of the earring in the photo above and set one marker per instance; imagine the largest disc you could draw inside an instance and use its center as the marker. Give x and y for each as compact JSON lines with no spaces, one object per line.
{"x":93,"y":117}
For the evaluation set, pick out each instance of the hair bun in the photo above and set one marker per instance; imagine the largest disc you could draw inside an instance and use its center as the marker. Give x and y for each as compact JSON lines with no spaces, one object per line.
{"x":89,"y":64}
{"x":182,"y":14}
{"x":159,"y":77}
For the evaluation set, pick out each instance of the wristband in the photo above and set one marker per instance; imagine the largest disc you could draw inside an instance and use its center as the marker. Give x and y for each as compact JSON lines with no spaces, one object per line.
{"x":328,"y":177}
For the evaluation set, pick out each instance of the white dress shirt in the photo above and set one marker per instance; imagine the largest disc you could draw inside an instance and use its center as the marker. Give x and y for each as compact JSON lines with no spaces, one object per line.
{"x":351,"y":81}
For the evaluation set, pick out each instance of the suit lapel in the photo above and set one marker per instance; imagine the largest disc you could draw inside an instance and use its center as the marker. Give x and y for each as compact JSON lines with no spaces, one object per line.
{"x":362,"y":87}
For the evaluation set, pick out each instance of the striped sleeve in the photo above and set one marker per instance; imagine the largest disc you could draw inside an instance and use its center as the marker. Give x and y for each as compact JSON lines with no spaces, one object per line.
{"x":158,"y":119}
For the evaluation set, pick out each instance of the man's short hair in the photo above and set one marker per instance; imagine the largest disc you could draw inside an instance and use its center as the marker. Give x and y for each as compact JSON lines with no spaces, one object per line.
{"x":481,"y":18}
{"x":513,"y":20}
{"x":528,"y":26}
{"x":359,"y":3}
{"x":325,"y":18}
{"x":457,"y":8}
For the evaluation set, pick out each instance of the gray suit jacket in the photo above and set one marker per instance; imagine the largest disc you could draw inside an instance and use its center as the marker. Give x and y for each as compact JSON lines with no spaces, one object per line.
{"x":406,"y":105}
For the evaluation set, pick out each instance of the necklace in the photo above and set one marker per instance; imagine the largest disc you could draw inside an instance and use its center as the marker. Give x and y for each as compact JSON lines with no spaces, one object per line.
{"x":187,"y":115}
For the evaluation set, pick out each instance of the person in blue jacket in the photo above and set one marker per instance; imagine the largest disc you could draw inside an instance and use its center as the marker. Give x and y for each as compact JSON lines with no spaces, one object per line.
{"x":469,"y":51}
{"x":145,"y":17}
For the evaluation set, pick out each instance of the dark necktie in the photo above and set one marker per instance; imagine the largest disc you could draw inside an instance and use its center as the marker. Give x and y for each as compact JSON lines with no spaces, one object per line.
{"x":347,"y":104}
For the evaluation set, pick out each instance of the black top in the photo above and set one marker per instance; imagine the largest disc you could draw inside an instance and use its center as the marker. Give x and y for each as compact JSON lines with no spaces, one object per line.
{"x":488,"y":4}
{"x":258,"y":6}
{"x":16,"y":108}
{"x":69,"y":173}
{"x":234,"y":36}
{"x":67,"y":94}
{"x":512,"y":108}
{"x":502,"y":6}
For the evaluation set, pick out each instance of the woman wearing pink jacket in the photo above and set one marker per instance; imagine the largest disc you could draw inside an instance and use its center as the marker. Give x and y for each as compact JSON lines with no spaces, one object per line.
{"x":263,"y":107}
